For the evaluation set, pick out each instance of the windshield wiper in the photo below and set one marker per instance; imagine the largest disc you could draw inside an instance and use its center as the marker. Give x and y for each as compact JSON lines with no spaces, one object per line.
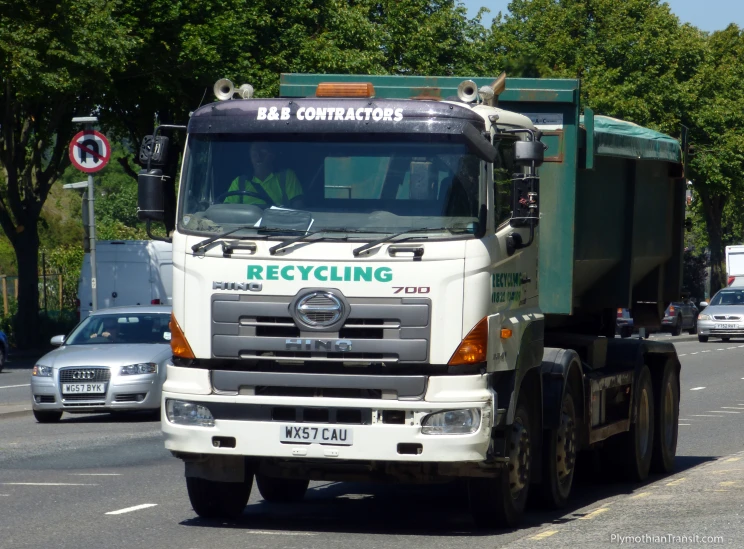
{"x":199,"y":245}
{"x":362,"y":249}
{"x":291,"y":241}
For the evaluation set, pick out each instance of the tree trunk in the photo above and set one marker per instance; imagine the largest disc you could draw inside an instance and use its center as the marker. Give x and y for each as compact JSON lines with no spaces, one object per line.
{"x":26,"y":244}
{"x":713,"y":208}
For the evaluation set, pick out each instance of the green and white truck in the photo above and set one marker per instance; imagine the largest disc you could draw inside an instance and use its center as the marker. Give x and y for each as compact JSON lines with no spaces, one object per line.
{"x":422,"y":289}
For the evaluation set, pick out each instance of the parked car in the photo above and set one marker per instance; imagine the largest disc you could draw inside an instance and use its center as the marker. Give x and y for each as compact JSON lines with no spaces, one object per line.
{"x":679,"y":316}
{"x":723,"y":317}
{"x":624,"y":323}
{"x":4,"y":348}
{"x":114,"y":360}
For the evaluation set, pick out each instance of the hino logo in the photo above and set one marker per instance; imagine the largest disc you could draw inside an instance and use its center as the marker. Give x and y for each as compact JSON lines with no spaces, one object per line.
{"x":238,"y":286}
{"x":327,"y":345}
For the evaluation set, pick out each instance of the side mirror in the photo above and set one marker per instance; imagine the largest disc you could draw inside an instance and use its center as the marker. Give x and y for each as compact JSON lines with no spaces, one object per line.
{"x":703,"y":304}
{"x":57,"y":340}
{"x":153,"y":151}
{"x":150,"y":195}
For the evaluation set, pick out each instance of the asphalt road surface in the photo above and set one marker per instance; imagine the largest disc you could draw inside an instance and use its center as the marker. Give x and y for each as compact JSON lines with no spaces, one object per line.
{"x":95,"y":481}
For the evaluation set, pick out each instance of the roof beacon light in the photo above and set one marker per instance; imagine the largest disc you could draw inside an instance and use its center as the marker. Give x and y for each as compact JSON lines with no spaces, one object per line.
{"x":345,"y":89}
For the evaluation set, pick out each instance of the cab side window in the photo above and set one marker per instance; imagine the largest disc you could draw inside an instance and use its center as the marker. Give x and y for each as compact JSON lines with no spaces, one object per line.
{"x":503,"y":170}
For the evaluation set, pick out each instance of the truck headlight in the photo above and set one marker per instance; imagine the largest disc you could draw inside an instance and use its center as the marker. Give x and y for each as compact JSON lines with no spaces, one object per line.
{"x":181,"y":412}
{"x":701,"y":316}
{"x":452,"y":422}
{"x":142,"y":368}
{"x":42,"y":371}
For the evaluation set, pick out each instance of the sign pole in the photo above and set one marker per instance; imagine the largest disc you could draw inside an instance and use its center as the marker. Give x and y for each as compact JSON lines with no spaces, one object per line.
{"x":90,"y":152}
{"x":92,"y":234}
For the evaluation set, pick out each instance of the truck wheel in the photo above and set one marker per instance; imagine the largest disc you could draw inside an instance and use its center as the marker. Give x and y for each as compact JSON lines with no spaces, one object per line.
{"x":667,"y":421}
{"x":637,"y":444}
{"x":47,"y":417}
{"x":499,"y":502}
{"x":703,"y":339}
{"x":211,"y":499}
{"x":559,"y":461}
{"x":281,"y":490}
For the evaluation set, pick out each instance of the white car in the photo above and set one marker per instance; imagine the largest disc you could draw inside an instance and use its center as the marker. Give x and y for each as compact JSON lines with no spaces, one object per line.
{"x":723,"y":317}
{"x":114,"y":360}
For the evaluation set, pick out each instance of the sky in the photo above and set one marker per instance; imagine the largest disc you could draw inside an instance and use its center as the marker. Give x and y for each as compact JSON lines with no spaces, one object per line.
{"x":707,"y":15}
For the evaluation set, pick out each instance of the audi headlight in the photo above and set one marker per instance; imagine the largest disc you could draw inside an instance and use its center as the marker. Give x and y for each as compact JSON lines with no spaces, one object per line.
{"x":142,"y":368}
{"x":701,"y":316}
{"x":181,"y":412}
{"x":42,"y":371}
{"x":452,"y":422}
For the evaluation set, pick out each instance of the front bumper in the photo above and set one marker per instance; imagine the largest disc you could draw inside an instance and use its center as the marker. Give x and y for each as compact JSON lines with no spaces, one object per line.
{"x":373,"y":438}
{"x":142,"y":392}
{"x":718,"y":328}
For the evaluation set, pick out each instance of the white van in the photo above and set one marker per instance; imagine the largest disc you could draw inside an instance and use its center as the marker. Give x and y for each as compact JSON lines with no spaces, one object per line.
{"x":129,"y":272}
{"x":735,"y":265}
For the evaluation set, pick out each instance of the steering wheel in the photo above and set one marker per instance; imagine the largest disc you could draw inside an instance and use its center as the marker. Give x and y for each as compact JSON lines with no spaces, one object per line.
{"x":221,"y":198}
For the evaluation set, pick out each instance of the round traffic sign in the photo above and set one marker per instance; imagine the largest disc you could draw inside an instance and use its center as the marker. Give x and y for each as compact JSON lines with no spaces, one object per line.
{"x":89,"y":151}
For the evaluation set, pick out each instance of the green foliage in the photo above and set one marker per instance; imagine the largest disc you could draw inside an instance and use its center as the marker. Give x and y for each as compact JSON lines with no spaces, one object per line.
{"x":694,"y":274}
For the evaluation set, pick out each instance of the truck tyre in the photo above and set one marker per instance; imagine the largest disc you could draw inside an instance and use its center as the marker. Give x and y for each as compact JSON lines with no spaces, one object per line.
{"x":211,"y":499}
{"x":47,"y":417}
{"x":499,"y":502}
{"x":667,"y":420}
{"x":281,"y":490}
{"x":559,"y":462}
{"x":636,"y":446}
{"x":703,"y":339}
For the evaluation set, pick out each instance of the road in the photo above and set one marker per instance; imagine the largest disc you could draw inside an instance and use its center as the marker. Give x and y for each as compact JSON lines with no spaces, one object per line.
{"x":95,"y":482}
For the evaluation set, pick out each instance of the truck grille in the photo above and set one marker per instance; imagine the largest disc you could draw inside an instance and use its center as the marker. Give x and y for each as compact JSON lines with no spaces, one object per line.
{"x":375,"y":330}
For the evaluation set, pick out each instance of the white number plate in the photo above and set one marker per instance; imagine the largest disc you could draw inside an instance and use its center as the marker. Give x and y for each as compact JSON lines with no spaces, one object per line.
{"x":323,"y":434}
{"x":725,"y":326}
{"x":77,"y":388}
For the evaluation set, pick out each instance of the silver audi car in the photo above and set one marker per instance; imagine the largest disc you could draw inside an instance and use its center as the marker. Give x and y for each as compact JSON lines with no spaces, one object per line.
{"x":723,"y":317}
{"x":114,"y":360}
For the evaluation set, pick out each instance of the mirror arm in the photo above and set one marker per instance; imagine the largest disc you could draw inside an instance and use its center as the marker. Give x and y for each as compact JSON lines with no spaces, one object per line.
{"x":155,"y":136}
{"x":153,"y":237}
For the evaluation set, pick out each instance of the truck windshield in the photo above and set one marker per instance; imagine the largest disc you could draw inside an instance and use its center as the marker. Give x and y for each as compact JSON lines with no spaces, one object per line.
{"x":329,"y":182}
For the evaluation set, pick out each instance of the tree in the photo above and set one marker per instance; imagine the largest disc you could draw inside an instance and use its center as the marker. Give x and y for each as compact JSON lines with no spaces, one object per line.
{"x":55,"y":59}
{"x":717,"y":162}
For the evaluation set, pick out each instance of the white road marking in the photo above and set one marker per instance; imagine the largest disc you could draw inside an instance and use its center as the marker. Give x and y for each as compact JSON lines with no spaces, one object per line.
{"x":279,"y":533}
{"x":723,"y":412}
{"x":702,"y":415}
{"x":44,"y":484}
{"x":720,"y":349}
{"x":95,"y":474}
{"x":697,"y":388}
{"x":684,"y":424}
{"x":731,"y":408}
{"x":14,"y":386}
{"x":693,"y":353}
{"x":707,"y":351}
{"x":684,"y":354}
{"x":130,"y":509}
{"x":732,"y":347}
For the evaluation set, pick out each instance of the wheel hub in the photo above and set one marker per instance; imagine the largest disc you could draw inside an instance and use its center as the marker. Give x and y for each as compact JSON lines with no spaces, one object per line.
{"x":519,"y":459}
{"x":566,"y":446}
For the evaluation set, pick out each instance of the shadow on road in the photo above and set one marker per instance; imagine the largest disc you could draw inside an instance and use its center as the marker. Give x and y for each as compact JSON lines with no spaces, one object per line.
{"x":113,"y":417}
{"x":436,"y":510}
